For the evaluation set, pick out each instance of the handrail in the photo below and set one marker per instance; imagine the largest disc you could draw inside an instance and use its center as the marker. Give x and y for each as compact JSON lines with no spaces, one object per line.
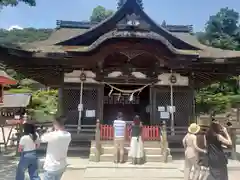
{"x":148,"y":132}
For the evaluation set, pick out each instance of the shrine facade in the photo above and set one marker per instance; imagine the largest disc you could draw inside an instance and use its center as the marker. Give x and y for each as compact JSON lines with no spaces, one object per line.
{"x":126,"y":63}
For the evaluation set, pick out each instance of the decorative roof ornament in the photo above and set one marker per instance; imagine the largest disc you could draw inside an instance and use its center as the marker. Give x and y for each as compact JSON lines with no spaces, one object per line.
{"x":120,"y":3}
{"x":164,"y":24}
{"x":133,"y":20}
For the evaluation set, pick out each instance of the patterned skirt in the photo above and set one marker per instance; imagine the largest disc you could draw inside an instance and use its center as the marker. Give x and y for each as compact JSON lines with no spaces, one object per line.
{"x":136,"y":148}
{"x":203,"y":159}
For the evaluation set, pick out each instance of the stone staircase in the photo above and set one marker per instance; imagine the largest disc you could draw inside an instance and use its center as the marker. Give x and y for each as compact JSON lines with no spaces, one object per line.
{"x":152,"y":151}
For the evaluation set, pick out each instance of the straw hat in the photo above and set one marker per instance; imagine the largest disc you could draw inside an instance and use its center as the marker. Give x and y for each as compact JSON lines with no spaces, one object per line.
{"x":194,"y":128}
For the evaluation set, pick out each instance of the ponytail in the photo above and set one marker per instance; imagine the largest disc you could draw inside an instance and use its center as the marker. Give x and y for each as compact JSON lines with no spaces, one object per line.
{"x":33,"y":136}
{"x":29,"y":129}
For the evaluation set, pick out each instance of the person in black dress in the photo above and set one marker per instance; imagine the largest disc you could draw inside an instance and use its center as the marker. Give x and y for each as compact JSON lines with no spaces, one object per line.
{"x":202,"y":157}
{"x":217,"y":137}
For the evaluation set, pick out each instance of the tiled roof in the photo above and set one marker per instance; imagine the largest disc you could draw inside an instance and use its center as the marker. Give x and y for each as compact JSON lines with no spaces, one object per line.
{"x":15,"y":100}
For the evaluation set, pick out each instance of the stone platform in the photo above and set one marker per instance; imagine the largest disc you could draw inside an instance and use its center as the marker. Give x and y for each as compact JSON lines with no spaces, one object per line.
{"x":82,"y":169}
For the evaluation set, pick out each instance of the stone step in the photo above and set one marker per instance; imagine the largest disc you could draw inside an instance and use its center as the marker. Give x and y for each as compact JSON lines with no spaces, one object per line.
{"x":110,"y":150}
{"x":43,"y":147}
{"x":110,"y":158}
{"x":127,"y":143}
{"x":133,"y":174}
{"x":157,"y":158}
{"x":238,"y":139}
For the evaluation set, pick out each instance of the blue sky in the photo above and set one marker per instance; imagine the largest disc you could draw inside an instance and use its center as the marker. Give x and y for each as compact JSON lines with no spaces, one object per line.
{"x":45,"y":14}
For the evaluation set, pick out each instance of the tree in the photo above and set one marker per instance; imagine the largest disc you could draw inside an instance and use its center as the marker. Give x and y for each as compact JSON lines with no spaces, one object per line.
{"x":222,"y":31}
{"x":100,"y":13}
{"x":15,"y":37}
{"x":26,"y":35}
{"x":16,"y":2}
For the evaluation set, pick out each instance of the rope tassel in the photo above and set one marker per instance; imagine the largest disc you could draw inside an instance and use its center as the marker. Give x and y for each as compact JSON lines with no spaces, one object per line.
{"x":109,"y":94}
{"x":119,"y":96}
{"x":131,"y":97}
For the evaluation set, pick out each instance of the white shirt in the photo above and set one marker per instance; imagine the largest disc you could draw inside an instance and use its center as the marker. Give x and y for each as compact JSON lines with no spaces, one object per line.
{"x":27,"y":144}
{"x":119,"y":128}
{"x":56,"y":155}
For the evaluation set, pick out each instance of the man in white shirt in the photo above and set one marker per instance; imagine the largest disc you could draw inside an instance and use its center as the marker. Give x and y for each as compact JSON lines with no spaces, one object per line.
{"x":119,"y":126}
{"x":57,"y":148}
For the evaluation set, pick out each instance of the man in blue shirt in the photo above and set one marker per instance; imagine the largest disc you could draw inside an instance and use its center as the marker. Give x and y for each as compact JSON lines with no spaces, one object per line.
{"x":119,"y":126}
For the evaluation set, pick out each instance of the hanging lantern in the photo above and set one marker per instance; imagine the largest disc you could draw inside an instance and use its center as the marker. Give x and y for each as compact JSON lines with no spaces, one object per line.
{"x":83,"y":77}
{"x":173,"y":79}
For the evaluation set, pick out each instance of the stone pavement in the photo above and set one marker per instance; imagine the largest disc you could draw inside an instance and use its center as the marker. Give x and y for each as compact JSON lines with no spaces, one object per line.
{"x":150,"y":171}
{"x":82,"y":169}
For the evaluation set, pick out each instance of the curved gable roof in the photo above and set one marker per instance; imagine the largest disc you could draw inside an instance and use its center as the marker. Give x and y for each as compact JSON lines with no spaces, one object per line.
{"x":130,"y":7}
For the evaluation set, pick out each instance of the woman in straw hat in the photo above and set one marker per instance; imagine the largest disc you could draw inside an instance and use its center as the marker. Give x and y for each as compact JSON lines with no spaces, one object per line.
{"x":191,"y":152}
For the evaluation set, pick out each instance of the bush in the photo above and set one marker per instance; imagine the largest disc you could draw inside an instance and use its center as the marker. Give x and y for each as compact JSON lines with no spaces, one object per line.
{"x":44,"y":105}
{"x":15,"y":91}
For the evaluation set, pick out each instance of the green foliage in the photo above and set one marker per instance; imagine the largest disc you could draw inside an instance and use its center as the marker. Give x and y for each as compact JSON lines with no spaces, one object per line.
{"x":100,"y":13}
{"x":15,"y":37}
{"x":235,"y":100}
{"x":14,"y":74}
{"x":44,"y":105}
{"x":20,"y":90}
{"x":26,"y":35}
{"x":222,"y":31}
{"x":43,"y":102}
{"x":16,"y":2}
{"x":208,"y":102}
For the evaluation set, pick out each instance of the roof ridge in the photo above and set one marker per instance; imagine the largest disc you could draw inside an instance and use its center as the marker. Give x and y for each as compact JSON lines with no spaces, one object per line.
{"x":88,"y":25}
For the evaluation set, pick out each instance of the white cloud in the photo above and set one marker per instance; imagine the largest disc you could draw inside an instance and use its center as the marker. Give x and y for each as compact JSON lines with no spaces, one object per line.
{"x":14,"y":27}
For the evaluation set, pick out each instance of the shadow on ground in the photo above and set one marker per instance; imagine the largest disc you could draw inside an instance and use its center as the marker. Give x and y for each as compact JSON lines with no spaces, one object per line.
{"x":7,"y":168}
{"x":238,"y":156}
{"x":80,"y":154}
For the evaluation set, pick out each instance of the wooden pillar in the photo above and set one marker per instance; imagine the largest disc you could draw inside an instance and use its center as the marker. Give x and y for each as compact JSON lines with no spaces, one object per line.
{"x":233,"y":135}
{"x":238,"y":113}
{"x":152,"y":102}
{"x":193,"y":115}
{"x":97,"y":142}
{"x":165,"y":151}
{"x":60,"y":110}
{"x":1,"y":93}
{"x":100,"y":102}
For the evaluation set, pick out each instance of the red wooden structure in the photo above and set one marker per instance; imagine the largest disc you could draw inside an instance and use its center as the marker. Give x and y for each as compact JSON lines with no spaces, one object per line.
{"x":149,"y":133}
{"x":5,"y":79}
{"x":15,"y":121}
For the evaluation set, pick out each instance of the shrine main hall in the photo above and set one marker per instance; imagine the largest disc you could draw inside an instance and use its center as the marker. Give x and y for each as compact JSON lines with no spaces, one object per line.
{"x":126,"y":63}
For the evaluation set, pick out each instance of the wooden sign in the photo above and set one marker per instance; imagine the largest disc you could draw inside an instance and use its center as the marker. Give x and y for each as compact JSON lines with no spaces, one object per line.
{"x":121,"y":100}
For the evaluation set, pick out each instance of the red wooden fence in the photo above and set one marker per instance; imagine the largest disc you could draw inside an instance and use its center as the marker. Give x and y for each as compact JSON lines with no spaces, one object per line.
{"x":149,"y":133}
